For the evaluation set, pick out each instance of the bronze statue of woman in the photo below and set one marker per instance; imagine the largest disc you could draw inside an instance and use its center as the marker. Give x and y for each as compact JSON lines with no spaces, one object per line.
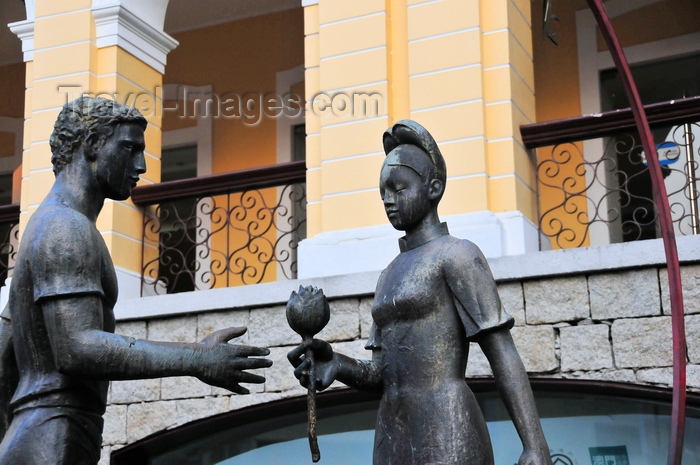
{"x":433,"y":299}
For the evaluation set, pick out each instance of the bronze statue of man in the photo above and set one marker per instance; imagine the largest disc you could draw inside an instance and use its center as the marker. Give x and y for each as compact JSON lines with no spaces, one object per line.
{"x":433,"y":299}
{"x":63,"y":291}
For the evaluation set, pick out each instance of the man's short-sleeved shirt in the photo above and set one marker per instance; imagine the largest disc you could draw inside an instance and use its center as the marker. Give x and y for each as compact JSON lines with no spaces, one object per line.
{"x":61,"y":255}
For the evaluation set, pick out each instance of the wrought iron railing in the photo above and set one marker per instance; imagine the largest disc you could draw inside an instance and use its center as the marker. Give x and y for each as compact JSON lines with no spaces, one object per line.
{"x":593,"y":180}
{"x":9,"y":239}
{"x":222,"y":230}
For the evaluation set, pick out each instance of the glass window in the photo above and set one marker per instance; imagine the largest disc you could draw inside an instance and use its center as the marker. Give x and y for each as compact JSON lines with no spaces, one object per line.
{"x":581,"y":428}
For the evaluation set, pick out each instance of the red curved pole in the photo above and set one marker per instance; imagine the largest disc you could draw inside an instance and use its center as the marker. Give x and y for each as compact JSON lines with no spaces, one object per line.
{"x":674,"y":275}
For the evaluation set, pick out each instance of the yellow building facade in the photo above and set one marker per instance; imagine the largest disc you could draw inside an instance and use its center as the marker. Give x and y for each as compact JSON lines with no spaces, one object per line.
{"x":359,"y":67}
{"x":467,"y":70}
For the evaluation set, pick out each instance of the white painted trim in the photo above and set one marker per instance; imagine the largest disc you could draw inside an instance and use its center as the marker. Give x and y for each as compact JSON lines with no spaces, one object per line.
{"x":285,"y":80}
{"x":29,"y":6}
{"x":140,"y":35}
{"x":25,"y":31}
{"x":152,"y":12}
{"x":201,"y":135}
{"x":309,"y":2}
{"x":372,"y":248}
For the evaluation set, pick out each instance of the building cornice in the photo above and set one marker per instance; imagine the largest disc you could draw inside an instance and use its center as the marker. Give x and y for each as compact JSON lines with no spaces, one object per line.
{"x":117,"y":25}
{"x":25,"y":31}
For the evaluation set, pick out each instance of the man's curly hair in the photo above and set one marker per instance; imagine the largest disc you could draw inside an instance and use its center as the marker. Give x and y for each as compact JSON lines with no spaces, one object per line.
{"x":87,"y":121}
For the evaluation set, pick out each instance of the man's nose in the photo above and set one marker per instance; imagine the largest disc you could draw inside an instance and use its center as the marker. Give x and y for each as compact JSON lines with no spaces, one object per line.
{"x":140,"y":163}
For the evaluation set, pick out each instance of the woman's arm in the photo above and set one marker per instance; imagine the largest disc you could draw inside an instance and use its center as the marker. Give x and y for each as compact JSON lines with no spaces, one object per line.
{"x":364,"y":375}
{"x":513,"y":385}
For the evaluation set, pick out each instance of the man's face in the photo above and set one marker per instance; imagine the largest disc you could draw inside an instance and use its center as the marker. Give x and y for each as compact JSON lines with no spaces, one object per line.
{"x":120,"y":160}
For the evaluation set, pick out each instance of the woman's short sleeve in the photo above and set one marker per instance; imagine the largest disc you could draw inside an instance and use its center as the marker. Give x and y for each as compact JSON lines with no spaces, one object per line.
{"x":474,"y":290}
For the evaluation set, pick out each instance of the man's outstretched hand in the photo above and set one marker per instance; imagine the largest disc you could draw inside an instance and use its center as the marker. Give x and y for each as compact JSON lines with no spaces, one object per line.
{"x":223,"y":364}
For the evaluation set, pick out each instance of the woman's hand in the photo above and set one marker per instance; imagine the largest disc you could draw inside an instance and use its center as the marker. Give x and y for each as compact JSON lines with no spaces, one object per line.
{"x":535,"y":457}
{"x":324,"y":360}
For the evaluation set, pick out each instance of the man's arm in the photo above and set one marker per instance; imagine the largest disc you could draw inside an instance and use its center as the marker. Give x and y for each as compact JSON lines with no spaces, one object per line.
{"x":513,"y":384}
{"x":80,"y":347}
{"x":9,"y":375}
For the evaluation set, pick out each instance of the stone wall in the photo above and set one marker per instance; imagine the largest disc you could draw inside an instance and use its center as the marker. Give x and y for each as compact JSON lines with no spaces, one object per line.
{"x":612,"y":326}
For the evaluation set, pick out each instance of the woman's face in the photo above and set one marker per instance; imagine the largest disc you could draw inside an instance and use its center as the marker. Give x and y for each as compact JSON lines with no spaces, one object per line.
{"x":405,"y":196}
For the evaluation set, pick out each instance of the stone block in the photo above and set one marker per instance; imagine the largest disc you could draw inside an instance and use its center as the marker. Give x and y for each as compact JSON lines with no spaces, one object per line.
{"x":693,"y":375}
{"x":513,"y":301}
{"x":535,"y":345}
{"x":344,"y":324}
{"x":217,"y":391}
{"x":105,"y":455}
{"x":139,"y":390}
{"x":585,"y":348}
{"x":477,"y":363}
{"x":183,"y":387}
{"x":210,"y":322}
{"x":620,"y":376}
{"x":135,"y":329}
{"x":690,"y":277}
{"x":239,"y":402}
{"x":355,"y":349}
{"x":664,"y":376}
{"x":280,"y":376}
{"x":556,"y":300}
{"x":194,"y":409}
{"x":692,"y":334}
{"x":269,"y":328}
{"x":181,"y":329}
{"x":365,"y":317}
{"x":626,"y":294}
{"x":642,"y":342}
{"x":148,"y":418}
{"x":115,"y":425}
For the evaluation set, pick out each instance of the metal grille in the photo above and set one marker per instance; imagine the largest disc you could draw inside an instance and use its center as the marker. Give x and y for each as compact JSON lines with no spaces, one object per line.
{"x":217,"y":241}
{"x":586,"y":202}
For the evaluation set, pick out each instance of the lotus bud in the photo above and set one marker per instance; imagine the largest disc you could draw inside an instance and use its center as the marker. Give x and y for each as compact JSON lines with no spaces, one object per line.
{"x":308,"y":311}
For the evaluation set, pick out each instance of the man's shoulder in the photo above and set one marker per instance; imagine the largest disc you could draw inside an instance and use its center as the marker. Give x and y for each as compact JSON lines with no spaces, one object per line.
{"x":58,"y":221}
{"x":57,"y":226}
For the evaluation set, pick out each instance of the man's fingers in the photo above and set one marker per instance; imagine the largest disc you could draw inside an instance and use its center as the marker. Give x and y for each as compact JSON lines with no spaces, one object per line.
{"x":224,"y":335}
{"x":251,"y":363}
{"x":250,"y":351}
{"x":244,"y":377}
{"x":238,"y":389}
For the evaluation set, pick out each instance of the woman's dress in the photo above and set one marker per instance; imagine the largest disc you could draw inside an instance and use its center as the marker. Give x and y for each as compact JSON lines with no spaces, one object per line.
{"x":434,"y":297}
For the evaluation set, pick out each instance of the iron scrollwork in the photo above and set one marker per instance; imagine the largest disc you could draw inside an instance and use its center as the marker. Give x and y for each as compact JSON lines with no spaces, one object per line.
{"x":615,"y":190}
{"x":223,"y":240}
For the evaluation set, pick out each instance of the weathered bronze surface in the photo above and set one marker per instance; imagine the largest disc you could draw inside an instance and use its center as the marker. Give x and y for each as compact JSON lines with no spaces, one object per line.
{"x":431,"y":301}
{"x":61,"y":325}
